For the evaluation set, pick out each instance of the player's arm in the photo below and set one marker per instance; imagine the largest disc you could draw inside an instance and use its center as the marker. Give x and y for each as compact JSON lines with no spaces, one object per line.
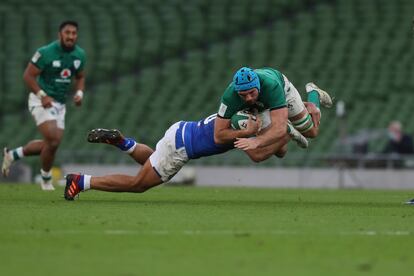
{"x":224,"y":134}
{"x":264,"y":153}
{"x":79,"y":87}
{"x":30,"y":78}
{"x":80,"y":81}
{"x":275,"y":135}
{"x":30,"y":75}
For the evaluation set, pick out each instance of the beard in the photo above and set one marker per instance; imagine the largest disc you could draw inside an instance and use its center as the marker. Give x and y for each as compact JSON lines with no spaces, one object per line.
{"x":67,"y":48}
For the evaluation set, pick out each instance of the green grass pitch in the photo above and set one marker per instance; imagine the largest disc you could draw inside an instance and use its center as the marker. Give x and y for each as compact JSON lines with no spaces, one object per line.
{"x":206,"y":231}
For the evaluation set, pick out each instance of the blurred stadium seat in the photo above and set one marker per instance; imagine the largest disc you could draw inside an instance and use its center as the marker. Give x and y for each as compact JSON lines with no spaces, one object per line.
{"x":150,"y":65}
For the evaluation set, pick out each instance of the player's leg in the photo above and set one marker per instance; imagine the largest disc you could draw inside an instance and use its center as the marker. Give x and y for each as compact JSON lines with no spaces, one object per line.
{"x":298,"y":114}
{"x":161,"y":166}
{"x":33,"y":147}
{"x":146,"y":178}
{"x":139,"y":152}
{"x":47,"y":121}
{"x":318,"y":96}
{"x":304,"y":124}
{"x":52,"y":136}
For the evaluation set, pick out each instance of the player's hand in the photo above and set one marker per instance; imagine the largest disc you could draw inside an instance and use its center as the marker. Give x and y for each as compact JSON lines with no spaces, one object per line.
{"x":253,"y":125}
{"x":246,"y":143}
{"x":77,"y":100}
{"x":46,"y":101}
{"x":314,"y":112}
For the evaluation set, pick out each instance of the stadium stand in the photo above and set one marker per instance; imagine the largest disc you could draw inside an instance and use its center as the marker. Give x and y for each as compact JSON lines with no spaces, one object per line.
{"x":150,"y":65}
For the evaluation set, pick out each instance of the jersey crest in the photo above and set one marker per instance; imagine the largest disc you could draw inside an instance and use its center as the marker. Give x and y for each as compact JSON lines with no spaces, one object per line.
{"x":77,"y":63}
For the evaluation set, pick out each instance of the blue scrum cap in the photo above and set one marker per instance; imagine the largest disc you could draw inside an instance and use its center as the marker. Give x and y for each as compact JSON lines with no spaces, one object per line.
{"x":245,"y":79}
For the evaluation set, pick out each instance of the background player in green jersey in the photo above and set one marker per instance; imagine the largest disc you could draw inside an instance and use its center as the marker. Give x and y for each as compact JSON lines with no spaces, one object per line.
{"x":49,"y":78}
{"x":263,"y":89}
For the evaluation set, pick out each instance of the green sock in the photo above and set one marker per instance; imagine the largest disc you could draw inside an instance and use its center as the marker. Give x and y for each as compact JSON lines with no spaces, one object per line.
{"x":313,"y":97}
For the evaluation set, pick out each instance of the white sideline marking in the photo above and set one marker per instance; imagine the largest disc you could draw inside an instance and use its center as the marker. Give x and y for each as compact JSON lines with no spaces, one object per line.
{"x":190,"y":232}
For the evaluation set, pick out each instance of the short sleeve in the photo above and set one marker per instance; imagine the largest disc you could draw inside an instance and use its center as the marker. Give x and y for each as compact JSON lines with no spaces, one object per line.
{"x":230,"y":103}
{"x":79,"y":61}
{"x":39,"y":59}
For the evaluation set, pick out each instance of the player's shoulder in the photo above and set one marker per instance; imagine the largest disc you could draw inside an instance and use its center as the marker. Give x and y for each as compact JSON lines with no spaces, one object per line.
{"x":230,"y":92}
{"x":46,"y":52}
{"x":270,"y":78}
{"x":268,"y":73}
{"x":48,"y":48}
{"x":79,"y":51}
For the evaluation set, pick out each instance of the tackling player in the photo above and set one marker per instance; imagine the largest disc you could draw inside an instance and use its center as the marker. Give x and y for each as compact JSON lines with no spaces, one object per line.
{"x":182,"y":141}
{"x":49,"y":77}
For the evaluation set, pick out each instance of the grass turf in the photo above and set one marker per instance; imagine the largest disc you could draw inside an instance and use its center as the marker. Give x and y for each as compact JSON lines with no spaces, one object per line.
{"x":206,"y":231}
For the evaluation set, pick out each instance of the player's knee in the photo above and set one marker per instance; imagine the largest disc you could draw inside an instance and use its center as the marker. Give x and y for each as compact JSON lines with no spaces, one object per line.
{"x":311,"y":133}
{"x":282,"y":152}
{"x":52,"y":143}
{"x":138,"y":187}
{"x":257,"y":158}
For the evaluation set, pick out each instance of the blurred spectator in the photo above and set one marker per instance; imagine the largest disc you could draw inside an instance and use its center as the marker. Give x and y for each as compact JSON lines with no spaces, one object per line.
{"x":399,"y":142}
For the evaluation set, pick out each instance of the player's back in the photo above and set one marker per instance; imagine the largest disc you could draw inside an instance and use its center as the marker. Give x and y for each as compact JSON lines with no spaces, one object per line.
{"x":199,"y":138}
{"x":270,"y":76}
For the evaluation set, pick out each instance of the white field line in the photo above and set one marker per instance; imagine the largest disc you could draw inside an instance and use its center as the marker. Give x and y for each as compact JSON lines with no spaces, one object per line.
{"x":122,"y":232}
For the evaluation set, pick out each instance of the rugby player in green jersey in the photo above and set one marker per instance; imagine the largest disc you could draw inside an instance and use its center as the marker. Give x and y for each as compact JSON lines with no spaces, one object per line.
{"x":268,"y":89}
{"x":48,"y":77}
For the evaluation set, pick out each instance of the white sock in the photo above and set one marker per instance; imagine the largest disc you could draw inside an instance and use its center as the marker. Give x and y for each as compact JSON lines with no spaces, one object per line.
{"x":131,"y":150}
{"x":19,"y":152}
{"x":45,"y":175}
{"x":86,"y":182}
{"x":16,"y":154}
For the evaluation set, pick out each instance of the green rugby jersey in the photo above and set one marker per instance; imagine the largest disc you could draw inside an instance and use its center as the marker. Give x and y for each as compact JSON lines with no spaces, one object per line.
{"x":271,"y":95}
{"x":58,"y":67}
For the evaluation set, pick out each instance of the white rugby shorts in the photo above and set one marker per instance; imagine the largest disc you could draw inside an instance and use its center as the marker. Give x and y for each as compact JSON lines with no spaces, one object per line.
{"x":40,"y":114}
{"x":293,"y":100}
{"x":167,"y":160}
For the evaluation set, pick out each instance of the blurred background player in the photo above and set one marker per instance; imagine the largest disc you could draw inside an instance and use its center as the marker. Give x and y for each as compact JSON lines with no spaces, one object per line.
{"x":399,"y":144}
{"x":182,"y":142}
{"x":267,"y":88}
{"x":48,"y":77}
{"x":398,"y":141}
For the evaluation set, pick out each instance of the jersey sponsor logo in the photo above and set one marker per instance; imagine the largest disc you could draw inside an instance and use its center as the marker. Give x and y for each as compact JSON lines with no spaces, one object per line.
{"x":65,"y":73}
{"x":63,"y":80}
{"x":77,"y":63}
{"x":222,"y":110}
{"x":36,"y":57}
{"x":56,"y":63}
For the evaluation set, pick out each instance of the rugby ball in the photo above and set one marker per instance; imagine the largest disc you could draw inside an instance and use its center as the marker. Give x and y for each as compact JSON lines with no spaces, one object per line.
{"x":239,"y":120}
